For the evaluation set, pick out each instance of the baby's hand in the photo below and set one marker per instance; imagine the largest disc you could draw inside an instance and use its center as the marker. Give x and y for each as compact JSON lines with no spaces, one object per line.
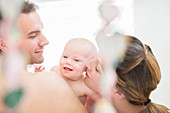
{"x":38,"y":68}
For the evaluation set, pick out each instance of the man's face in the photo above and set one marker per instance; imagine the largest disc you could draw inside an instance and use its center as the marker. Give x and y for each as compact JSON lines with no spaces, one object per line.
{"x":32,"y":39}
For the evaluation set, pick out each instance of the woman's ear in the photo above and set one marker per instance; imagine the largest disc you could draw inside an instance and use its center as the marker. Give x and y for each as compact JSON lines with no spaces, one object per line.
{"x":3,"y":45}
{"x":118,"y":94}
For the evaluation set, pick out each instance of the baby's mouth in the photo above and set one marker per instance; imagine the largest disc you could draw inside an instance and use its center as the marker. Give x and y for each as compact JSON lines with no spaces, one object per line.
{"x":68,"y":69}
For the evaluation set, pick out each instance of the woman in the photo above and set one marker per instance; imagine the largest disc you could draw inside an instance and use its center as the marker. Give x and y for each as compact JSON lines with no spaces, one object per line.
{"x":137,"y":76}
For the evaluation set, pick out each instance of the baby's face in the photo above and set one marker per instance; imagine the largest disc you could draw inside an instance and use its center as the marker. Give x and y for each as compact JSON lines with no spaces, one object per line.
{"x":73,"y":60}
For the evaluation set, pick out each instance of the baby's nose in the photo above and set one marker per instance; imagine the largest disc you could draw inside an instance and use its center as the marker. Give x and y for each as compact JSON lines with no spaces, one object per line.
{"x":68,"y":62}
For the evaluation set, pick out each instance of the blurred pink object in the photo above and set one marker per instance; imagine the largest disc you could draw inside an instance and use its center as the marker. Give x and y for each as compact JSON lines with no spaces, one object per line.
{"x":108,"y":11}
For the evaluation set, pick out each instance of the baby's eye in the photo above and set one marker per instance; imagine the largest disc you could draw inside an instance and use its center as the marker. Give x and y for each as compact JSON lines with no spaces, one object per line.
{"x":65,"y":56}
{"x":76,"y":60}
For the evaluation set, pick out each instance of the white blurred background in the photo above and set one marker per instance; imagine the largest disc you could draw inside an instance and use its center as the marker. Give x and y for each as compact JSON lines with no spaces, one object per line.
{"x":149,"y":20}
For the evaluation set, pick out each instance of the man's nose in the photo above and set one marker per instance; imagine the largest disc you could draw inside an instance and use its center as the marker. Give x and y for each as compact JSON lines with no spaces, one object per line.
{"x":43,"y":41}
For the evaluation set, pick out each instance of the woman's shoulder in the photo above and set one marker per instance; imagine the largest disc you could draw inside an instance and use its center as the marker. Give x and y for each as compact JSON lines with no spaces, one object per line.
{"x":144,"y":111}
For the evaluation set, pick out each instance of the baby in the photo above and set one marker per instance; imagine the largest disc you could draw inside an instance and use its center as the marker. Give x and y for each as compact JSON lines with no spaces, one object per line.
{"x":72,"y":65}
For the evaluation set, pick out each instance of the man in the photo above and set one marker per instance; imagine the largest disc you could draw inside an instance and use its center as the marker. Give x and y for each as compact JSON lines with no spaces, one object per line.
{"x":32,"y":39}
{"x":44,"y":92}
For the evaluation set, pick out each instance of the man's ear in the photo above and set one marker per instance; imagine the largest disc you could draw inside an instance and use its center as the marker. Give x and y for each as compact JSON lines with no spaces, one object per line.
{"x":3,"y":45}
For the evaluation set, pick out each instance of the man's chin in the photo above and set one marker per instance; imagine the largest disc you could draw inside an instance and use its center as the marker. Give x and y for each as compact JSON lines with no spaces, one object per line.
{"x":37,"y":60}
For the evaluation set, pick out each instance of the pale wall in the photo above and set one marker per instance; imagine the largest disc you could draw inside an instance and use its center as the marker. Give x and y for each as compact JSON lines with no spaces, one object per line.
{"x":152,"y":25}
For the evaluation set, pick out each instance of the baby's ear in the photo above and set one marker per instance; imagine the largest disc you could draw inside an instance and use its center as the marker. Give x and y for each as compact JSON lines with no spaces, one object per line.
{"x":3,"y":45}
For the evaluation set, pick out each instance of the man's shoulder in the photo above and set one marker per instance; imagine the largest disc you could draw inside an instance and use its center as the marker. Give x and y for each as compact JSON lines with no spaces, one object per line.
{"x":45,"y":83}
{"x":55,"y":69}
{"x":47,"y":92}
{"x":45,"y":78}
{"x":49,"y":76}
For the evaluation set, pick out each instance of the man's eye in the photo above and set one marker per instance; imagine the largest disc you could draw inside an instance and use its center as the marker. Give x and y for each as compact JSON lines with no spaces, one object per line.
{"x":65,"y":56}
{"x":33,"y":35}
{"x":76,"y":60}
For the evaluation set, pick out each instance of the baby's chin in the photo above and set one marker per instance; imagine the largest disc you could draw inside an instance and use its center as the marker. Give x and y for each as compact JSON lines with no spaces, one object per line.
{"x":71,"y":77}
{"x":67,"y":76}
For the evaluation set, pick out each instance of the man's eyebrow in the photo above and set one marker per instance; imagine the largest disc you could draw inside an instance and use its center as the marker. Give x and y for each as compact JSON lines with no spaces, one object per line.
{"x":33,"y":32}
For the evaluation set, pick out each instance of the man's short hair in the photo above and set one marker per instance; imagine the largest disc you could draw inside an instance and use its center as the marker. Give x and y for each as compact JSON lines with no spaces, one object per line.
{"x":29,"y":7}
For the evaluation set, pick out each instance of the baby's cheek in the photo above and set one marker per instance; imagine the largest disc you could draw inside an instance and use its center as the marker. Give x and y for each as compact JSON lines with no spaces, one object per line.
{"x":61,"y":62}
{"x":81,"y":67}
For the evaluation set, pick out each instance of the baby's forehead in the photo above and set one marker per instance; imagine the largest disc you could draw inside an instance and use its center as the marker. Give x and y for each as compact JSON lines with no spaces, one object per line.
{"x":79,"y":42}
{"x":79,"y":53}
{"x":81,"y":48}
{"x":85,"y":44}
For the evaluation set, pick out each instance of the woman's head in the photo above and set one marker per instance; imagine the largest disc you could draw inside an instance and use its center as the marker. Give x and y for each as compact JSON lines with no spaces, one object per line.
{"x":137,"y":76}
{"x":139,"y":73}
